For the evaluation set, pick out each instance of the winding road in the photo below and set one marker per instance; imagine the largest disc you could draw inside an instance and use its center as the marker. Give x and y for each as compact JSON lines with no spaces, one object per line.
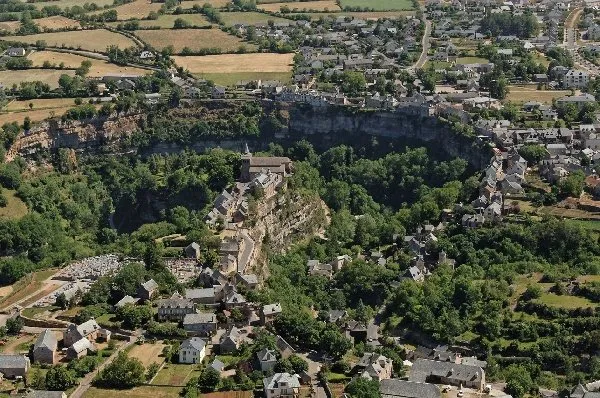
{"x":425,"y":43}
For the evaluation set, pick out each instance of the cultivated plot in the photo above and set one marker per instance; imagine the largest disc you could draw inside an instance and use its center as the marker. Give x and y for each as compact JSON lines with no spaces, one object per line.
{"x":194,"y":39}
{"x":92,"y":40}
{"x":234,"y":63}
{"x":325,"y":5}
{"x":379,"y":5}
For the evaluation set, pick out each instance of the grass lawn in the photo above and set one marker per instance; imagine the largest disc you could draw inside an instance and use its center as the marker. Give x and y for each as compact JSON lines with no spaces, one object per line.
{"x":541,"y":59}
{"x":520,"y":94}
{"x":230,"y":79}
{"x":437,"y":64}
{"x":589,"y":278}
{"x":33,"y":311}
{"x":138,"y":392}
{"x":249,"y":18}
{"x":91,"y":40}
{"x":569,"y":302}
{"x":379,"y":5}
{"x":173,"y":374}
{"x":107,"y":320}
{"x":15,"y":207}
{"x":194,"y":39}
{"x":336,"y":377}
{"x":471,"y":60}
{"x":147,"y":353}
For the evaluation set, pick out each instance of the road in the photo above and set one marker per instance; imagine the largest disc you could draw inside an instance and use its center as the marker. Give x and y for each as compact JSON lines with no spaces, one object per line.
{"x":246,"y":256}
{"x":425,"y":42}
{"x":86,"y":382}
{"x":570,"y":34}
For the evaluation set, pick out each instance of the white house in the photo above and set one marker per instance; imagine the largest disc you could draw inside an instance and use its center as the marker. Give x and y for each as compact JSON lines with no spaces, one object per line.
{"x":192,"y":350}
{"x":281,"y":385}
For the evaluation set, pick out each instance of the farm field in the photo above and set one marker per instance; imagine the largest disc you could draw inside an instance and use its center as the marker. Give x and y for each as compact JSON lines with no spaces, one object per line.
{"x":49,"y":76}
{"x":371,"y":15}
{"x":26,"y":286}
{"x":520,"y":94}
{"x":147,"y":353}
{"x":230,"y":79}
{"x":379,"y":5}
{"x":15,"y":106}
{"x":35,"y":115}
{"x":324,"y":5}
{"x":10,"y":26}
{"x":215,"y":3}
{"x":57,"y":22}
{"x":167,"y":21}
{"x":15,"y":208}
{"x":70,"y":3}
{"x":99,"y":68}
{"x":137,"y":9}
{"x":92,"y":40}
{"x":249,"y":18}
{"x":195,"y":39}
{"x":232,"y":63}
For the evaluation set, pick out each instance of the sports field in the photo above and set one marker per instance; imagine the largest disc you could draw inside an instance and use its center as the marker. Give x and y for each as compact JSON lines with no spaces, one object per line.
{"x":234,"y":63}
{"x":379,"y":5}
{"x":99,"y":68}
{"x":324,"y":5}
{"x":194,"y":39}
{"x":249,"y":18}
{"x":168,"y":20}
{"x":91,"y":40}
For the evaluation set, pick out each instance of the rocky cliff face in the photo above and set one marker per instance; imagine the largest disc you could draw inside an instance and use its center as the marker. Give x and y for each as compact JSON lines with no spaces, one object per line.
{"x":340,"y":124}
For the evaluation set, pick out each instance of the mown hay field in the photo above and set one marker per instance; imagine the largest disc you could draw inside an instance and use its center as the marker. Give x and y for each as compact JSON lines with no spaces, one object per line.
{"x":48,"y":76}
{"x":323,"y":5}
{"x":92,"y":40}
{"x":215,"y":3}
{"x":137,"y":9}
{"x":234,"y":63}
{"x":57,"y":22}
{"x":99,"y":68}
{"x":371,"y":15}
{"x":70,"y":3}
{"x":379,"y":5}
{"x":249,"y":18}
{"x":194,"y":39}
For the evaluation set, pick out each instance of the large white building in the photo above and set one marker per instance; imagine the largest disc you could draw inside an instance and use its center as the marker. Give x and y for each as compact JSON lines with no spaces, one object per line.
{"x":576,"y":79}
{"x":192,"y":350}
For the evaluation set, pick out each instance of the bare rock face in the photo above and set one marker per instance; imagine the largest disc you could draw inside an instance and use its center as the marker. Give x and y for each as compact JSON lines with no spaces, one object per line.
{"x":74,"y":134}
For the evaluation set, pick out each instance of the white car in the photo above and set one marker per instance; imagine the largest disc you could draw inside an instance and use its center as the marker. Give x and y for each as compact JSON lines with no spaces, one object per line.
{"x":460,"y":393}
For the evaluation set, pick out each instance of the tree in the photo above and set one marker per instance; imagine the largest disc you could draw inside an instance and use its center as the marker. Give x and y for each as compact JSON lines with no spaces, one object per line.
{"x":363,"y":388}
{"x":134,"y":316}
{"x":533,"y":153}
{"x":209,"y":380}
{"x":334,"y":343}
{"x":518,"y":381}
{"x":298,"y":364}
{"x":353,"y":83}
{"x":59,"y":378}
{"x":14,"y":325}
{"x":573,"y":184}
{"x":123,"y":372}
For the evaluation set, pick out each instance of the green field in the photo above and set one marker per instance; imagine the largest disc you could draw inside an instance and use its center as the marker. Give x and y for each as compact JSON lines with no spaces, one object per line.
{"x":471,"y":60}
{"x":230,"y":79}
{"x":15,"y":207}
{"x":379,"y":5}
{"x":374,"y":15}
{"x":174,"y":374}
{"x":249,"y":18}
{"x":167,"y":21}
{"x":568,"y":302}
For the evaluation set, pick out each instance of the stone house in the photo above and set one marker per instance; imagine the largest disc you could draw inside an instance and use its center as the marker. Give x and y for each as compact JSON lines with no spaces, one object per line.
{"x":45,"y":394}
{"x":44,"y":348}
{"x":437,"y":372}
{"x":80,"y":348}
{"x":204,"y":324}
{"x":146,"y":290}
{"x":88,"y":330}
{"x":266,"y":359}
{"x":396,"y":388}
{"x":248,"y":281}
{"x":375,"y":367}
{"x":231,"y":340}
{"x":269,"y":312}
{"x":175,"y":309}
{"x":192,"y":250}
{"x":192,"y":350}
{"x":12,"y":366}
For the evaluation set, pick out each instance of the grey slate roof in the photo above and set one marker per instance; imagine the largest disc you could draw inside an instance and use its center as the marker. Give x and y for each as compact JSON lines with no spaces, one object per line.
{"x":396,"y":388}
{"x":150,"y":285}
{"x":44,"y":394}
{"x":217,"y":365}
{"x":195,"y":342}
{"x":273,"y":382}
{"x":8,"y":361}
{"x":47,"y":340}
{"x":423,"y":368}
{"x":193,"y":319}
